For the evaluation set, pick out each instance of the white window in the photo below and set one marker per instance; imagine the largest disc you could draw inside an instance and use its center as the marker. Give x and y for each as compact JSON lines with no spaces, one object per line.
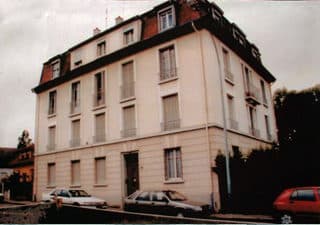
{"x":100,"y":134}
{"x":55,"y":69}
{"x":51,"y":174}
{"x":263,"y":90}
{"x":128,"y":37}
{"x":173,"y":164}
{"x":51,"y":138}
{"x":75,"y":172}
{"x":75,"y":98}
{"x":129,"y":121}
{"x":253,"y":122}
{"x":75,"y":133}
{"x":101,"y":48}
{"x":166,"y":19}
{"x":171,"y":115}
{"x":99,"y":94}
{"x":127,"y":88}
{"x":266,"y":119}
{"x":227,"y":67}
{"x":233,"y":124}
{"x":52,"y":102}
{"x":167,"y":63}
{"x":77,"y":57}
{"x":100,"y":170}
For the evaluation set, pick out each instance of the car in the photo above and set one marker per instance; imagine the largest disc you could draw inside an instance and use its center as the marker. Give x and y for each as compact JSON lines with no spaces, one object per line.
{"x":75,"y":197}
{"x":298,"y":204}
{"x":168,"y":202}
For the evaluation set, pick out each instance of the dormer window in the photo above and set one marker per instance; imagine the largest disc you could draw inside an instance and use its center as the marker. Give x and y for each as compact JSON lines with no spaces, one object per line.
{"x":128,"y":37}
{"x":217,"y":13}
{"x":166,"y":19}
{"x":55,"y":69}
{"x":77,"y":58}
{"x":101,"y":48}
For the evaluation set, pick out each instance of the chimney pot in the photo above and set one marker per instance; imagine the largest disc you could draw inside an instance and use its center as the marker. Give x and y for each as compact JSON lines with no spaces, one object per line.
{"x":119,"y":19}
{"x":96,"y":31}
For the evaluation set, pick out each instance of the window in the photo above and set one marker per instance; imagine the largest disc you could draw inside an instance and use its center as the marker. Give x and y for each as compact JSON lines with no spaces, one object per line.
{"x":128,"y":37}
{"x":166,"y":19}
{"x":98,"y":97}
{"x":51,"y":138}
{"x":129,"y":121}
{"x":127,"y":88}
{"x":303,"y":195}
{"x":173,"y":164}
{"x":101,"y":48}
{"x":144,"y":196}
{"x":100,"y":134}
{"x":52,"y":102}
{"x":232,"y":120}
{"x":266,"y":119}
{"x":75,"y":172}
{"x":55,"y":69}
{"x":167,"y":63}
{"x":100,"y":167}
{"x":226,"y":62}
{"x":171,"y":118}
{"x":253,"y":122}
{"x":159,"y":197}
{"x":75,"y":98}
{"x":264,"y":95}
{"x":75,"y":133}
{"x":77,"y":55}
{"x":51,"y":174}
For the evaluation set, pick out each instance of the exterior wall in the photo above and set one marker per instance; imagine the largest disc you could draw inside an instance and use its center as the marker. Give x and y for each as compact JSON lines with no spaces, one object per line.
{"x":196,"y":171}
{"x":148,"y":107}
{"x":114,"y":42}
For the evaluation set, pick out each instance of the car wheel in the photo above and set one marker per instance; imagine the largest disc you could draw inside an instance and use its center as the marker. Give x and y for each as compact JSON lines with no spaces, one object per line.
{"x":180,"y":215}
{"x":286,"y":218}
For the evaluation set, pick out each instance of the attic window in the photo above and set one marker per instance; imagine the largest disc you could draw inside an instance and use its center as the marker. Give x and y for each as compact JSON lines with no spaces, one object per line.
{"x":55,"y":69}
{"x":166,"y":19}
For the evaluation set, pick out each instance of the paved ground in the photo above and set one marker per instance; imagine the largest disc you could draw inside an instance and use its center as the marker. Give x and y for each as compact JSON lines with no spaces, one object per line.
{"x":222,"y":217}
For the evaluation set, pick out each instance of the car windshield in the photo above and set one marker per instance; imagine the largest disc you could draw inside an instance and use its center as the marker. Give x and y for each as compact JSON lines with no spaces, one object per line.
{"x":79,"y":193}
{"x":175,"y":196}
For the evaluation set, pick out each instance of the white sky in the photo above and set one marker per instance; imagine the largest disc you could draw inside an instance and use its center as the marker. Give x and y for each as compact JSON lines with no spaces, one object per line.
{"x":31,"y":32}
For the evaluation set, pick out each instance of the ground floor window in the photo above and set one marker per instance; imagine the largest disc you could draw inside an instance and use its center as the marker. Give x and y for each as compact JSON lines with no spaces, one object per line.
{"x":173,"y":163}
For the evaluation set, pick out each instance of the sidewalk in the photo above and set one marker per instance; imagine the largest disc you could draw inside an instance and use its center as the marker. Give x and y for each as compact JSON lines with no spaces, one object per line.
{"x":244,"y":217}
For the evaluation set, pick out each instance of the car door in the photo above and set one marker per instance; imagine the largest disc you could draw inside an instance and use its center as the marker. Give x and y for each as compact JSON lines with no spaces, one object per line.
{"x":303,"y":202}
{"x":65,"y":196}
{"x":143,"y":202}
{"x":159,"y":203}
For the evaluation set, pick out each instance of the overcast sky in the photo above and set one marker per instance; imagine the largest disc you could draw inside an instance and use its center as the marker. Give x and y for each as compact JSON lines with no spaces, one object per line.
{"x":31,"y":32}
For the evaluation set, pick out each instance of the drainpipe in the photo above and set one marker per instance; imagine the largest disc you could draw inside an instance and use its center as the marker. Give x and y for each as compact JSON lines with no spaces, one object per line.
{"x":225,"y":132}
{"x":206,"y":105}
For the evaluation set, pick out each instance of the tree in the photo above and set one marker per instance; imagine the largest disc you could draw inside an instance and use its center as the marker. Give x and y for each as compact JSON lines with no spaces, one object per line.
{"x":24,"y":140}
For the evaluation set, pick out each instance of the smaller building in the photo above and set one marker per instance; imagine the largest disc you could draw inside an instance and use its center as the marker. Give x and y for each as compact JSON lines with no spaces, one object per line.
{"x":17,"y":171}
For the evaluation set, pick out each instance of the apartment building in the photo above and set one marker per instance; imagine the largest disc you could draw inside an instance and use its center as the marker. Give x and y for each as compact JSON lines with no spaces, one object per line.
{"x":147,"y":104}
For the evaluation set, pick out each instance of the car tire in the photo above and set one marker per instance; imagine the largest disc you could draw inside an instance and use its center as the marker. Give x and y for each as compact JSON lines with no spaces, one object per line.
{"x":285,"y":218}
{"x":180,"y":215}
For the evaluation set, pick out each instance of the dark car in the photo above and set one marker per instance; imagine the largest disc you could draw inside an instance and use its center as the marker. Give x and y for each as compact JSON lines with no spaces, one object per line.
{"x":166,"y":202}
{"x":300,"y":204}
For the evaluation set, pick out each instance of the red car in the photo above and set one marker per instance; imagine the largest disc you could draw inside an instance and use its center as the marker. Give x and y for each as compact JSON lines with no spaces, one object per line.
{"x":298,"y":204}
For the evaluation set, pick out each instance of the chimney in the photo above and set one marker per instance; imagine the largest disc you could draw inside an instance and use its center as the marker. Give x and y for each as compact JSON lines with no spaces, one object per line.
{"x":119,"y":19}
{"x":96,"y":31}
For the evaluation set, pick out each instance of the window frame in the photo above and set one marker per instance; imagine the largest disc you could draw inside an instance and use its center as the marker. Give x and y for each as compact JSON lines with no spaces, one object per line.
{"x":52,"y":99}
{"x":51,"y":180}
{"x":96,"y":180}
{"x":160,"y":16}
{"x":101,"y":48}
{"x":128,"y":33}
{"x":176,"y":177}
{"x":55,"y":74}
{"x":73,"y":182}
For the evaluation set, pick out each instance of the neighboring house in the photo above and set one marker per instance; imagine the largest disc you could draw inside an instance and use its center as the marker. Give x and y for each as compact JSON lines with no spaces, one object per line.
{"x":139,"y":105}
{"x":17,"y":165}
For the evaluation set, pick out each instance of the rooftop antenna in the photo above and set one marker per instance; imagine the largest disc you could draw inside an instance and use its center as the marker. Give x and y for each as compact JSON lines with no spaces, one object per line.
{"x":107,"y":18}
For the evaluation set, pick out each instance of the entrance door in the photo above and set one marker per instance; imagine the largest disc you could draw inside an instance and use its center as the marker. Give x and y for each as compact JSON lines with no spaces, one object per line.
{"x":132,"y":172}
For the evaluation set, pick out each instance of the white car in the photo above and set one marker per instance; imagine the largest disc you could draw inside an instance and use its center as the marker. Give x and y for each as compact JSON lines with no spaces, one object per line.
{"x":75,"y":197}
